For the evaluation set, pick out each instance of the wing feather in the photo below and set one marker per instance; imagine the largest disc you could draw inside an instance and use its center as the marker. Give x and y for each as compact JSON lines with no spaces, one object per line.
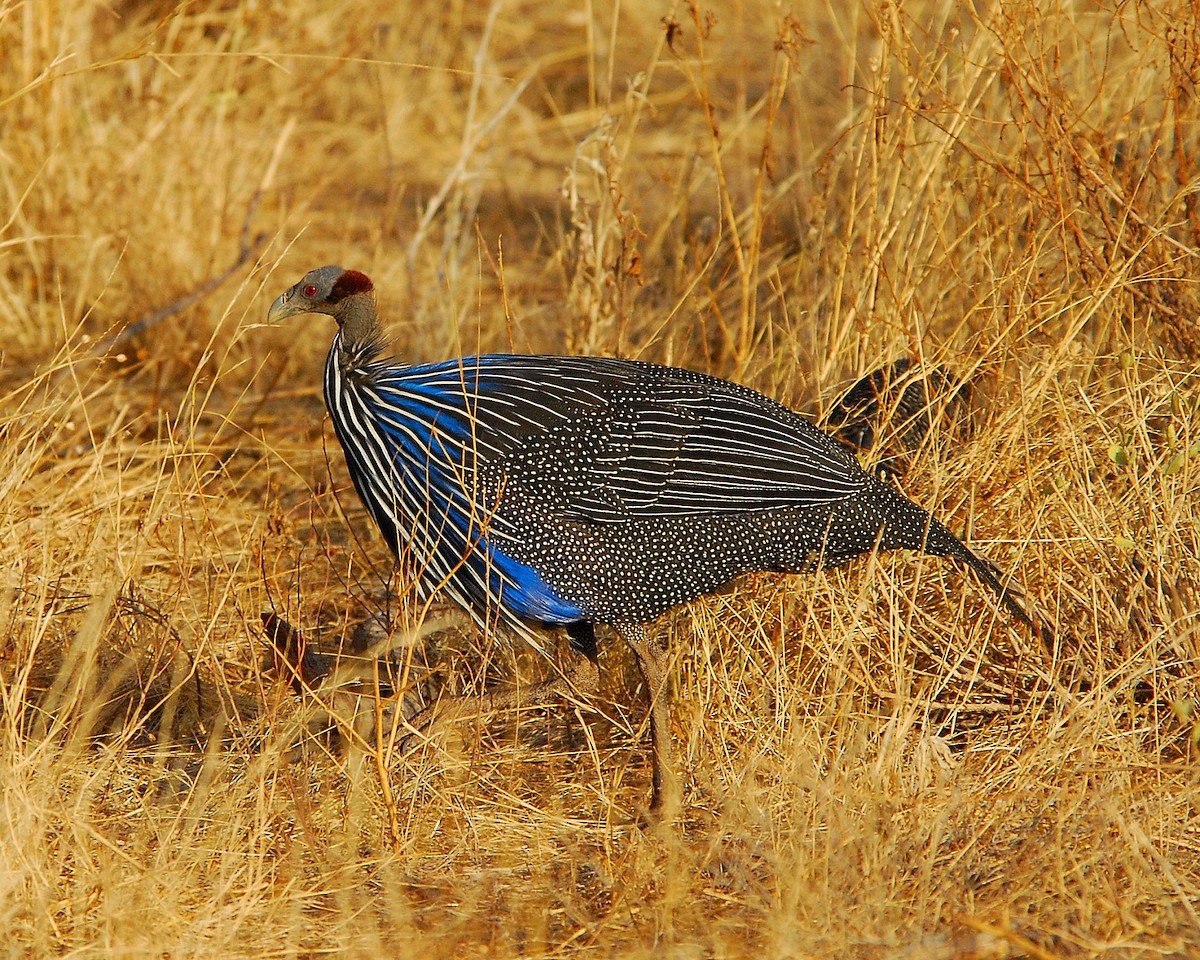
{"x":617,"y":440}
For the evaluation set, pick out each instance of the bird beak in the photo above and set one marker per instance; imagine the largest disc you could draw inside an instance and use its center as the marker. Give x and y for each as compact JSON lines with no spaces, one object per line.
{"x":281,"y":309}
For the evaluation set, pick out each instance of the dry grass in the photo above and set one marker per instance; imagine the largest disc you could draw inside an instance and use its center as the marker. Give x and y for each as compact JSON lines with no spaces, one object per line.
{"x":875,"y":763}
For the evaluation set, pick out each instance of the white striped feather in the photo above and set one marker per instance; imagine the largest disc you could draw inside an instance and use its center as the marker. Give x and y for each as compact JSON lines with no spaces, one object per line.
{"x":595,"y":440}
{"x":654,"y":440}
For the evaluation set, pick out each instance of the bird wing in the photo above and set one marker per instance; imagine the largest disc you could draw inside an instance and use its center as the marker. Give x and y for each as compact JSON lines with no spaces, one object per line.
{"x":692,"y":448}
{"x":615,"y":440}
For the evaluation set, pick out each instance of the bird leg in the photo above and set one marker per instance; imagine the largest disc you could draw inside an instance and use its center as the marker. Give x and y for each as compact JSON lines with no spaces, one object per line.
{"x":583,"y":680}
{"x":652,"y":664}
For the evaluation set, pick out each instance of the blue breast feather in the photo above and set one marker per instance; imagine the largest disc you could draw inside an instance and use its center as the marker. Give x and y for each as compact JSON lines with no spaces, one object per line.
{"x":429,"y":448}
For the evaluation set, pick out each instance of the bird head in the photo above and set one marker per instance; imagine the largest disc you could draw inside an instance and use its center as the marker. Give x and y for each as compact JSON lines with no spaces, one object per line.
{"x":329,"y":290}
{"x":346,"y":295}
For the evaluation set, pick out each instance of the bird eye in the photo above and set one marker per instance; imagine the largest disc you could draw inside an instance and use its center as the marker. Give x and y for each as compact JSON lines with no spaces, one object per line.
{"x":310,"y":290}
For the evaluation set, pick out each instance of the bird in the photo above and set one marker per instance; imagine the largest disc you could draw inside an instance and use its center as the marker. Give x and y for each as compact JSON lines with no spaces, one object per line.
{"x":543,"y":492}
{"x":899,"y":392}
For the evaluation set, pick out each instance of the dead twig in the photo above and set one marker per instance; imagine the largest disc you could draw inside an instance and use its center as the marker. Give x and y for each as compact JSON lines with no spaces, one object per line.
{"x":248,"y":249}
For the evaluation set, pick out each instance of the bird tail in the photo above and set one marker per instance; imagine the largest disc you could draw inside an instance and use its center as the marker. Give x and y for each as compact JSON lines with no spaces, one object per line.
{"x":941,"y":542}
{"x":911,"y":528}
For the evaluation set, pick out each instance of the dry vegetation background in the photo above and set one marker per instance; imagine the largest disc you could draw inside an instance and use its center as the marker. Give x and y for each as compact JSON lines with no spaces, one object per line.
{"x":875,"y":763}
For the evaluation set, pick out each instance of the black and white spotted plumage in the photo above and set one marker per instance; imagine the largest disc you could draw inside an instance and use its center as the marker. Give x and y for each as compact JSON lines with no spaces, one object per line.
{"x":578,"y":490}
{"x":566,"y":489}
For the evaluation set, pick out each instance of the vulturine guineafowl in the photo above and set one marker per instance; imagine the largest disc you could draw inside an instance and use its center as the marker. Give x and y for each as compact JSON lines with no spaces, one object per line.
{"x":907,"y":399}
{"x":571,"y":491}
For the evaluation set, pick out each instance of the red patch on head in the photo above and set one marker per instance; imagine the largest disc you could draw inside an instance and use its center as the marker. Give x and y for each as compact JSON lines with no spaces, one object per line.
{"x":350,"y":283}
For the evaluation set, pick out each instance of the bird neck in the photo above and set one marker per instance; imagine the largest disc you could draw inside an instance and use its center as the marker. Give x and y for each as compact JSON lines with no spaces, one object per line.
{"x":357,"y":319}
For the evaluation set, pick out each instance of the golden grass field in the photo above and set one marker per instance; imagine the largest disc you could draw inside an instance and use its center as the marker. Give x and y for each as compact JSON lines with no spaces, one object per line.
{"x":874,"y":761}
